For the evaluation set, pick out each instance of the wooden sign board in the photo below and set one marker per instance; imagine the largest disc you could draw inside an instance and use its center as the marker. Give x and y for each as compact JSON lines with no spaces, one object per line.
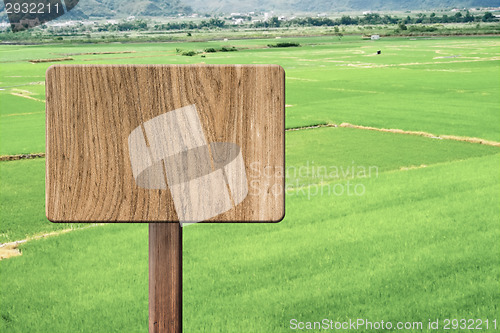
{"x":160,"y":143}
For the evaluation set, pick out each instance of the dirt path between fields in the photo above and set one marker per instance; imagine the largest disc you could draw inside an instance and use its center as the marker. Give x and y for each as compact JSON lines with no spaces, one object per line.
{"x":399,"y":131}
{"x":10,"y":249}
{"x":425,"y":134}
{"x":21,"y":157}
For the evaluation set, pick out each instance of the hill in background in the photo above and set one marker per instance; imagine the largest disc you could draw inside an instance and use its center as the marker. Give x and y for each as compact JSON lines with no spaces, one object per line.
{"x":124,"y":8}
{"x":334,"y":5}
{"x":116,"y":9}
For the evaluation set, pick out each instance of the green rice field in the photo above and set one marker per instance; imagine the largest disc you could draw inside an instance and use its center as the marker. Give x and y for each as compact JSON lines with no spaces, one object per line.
{"x":416,"y":236}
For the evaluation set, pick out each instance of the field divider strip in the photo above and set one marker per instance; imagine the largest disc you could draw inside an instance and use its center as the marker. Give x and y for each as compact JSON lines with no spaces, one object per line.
{"x":22,"y":114}
{"x":310,"y":127}
{"x":10,"y":249}
{"x":27,"y":96}
{"x":21,"y":157}
{"x":425,"y":134}
{"x":400,"y":131}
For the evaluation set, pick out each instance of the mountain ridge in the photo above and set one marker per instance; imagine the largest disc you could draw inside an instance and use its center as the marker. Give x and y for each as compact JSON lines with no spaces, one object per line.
{"x":335,"y":5}
{"x":116,"y":9}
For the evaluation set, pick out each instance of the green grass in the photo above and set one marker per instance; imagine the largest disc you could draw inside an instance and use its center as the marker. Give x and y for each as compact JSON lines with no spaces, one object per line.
{"x":440,"y":85}
{"x":414,"y":247}
{"x":79,"y":282}
{"x":23,"y":201}
{"x":22,"y":134}
{"x":337,"y":150}
{"x":11,"y":105}
{"x":404,"y":87}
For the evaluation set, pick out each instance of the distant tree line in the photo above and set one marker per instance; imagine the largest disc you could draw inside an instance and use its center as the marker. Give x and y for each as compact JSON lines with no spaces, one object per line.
{"x":374,"y":19}
{"x":141,"y":25}
{"x":275,"y":22}
{"x":212,"y":23}
{"x":124,"y":26}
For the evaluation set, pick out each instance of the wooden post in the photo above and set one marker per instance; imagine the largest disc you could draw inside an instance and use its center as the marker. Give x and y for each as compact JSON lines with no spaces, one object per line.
{"x":165,"y":277}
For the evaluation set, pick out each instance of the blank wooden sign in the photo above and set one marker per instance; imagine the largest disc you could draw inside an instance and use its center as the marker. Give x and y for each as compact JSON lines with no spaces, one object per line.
{"x":165,"y":143}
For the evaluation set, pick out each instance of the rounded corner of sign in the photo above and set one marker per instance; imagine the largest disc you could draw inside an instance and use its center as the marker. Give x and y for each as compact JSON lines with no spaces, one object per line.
{"x":279,"y":218}
{"x":50,"y":70}
{"x":280,"y":69}
{"x":52,"y":218}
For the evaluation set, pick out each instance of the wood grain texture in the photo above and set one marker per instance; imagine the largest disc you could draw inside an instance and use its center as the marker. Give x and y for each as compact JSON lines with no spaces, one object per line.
{"x":165,"y":277}
{"x":91,"y":110}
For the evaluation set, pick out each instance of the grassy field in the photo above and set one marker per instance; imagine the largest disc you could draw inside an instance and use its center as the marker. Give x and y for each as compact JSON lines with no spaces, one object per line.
{"x":442,"y":85}
{"x":421,"y":242}
{"x":415,"y":246}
